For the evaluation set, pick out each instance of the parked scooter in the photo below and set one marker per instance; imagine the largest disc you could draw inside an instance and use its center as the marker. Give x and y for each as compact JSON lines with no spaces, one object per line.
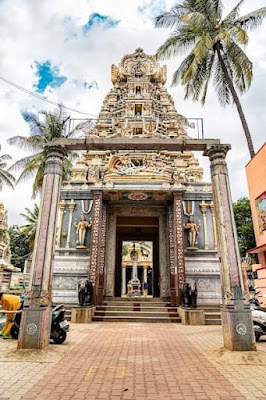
{"x":59,"y":325}
{"x":259,"y":317}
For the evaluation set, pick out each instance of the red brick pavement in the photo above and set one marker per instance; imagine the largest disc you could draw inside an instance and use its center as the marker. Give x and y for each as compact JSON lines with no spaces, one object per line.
{"x":134,"y":362}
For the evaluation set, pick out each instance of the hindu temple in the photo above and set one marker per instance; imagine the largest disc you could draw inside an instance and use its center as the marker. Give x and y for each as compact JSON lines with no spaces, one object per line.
{"x":130,"y":219}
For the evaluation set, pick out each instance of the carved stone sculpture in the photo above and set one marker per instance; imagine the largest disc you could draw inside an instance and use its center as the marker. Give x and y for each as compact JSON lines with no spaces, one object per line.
{"x":189,"y":295}
{"x":185,"y":295}
{"x":82,"y":227}
{"x":85,"y":292}
{"x":193,"y":233}
{"x":194,"y":294}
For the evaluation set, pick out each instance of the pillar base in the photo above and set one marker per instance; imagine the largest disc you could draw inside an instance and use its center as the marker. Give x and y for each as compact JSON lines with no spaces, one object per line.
{"x":35,"y":328}
{"x":191,"y":316}
{"x":82,"y":315}
{"x":238,"y":332}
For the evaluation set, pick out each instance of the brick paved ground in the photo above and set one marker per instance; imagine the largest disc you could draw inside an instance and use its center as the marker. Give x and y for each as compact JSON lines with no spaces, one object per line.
{"x":133,"y":361}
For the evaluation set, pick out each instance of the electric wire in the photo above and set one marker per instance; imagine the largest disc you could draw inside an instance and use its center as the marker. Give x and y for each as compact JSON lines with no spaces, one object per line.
{"x":43,"y":98}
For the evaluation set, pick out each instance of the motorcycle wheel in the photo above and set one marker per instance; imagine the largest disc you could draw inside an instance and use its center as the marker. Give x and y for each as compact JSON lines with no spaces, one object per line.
{"x":14,"y":332}
{"x":257,"y":336}
{"x":58,"y":336}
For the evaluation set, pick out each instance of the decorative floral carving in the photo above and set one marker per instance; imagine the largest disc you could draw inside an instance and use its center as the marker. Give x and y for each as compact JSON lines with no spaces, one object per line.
{"x":95,"y":235}
{"x":179,"y":241}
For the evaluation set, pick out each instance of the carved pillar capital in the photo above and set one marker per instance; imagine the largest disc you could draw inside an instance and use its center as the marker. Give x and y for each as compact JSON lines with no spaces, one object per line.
{"x":203,"y":207}
{"x":71,"y":205}
{"x":217,"y":156}
{"x":54,"y":161}
{"x":62,"y":205}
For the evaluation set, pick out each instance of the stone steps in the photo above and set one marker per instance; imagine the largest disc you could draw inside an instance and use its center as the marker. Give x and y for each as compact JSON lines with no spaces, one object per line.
{"x":135,"y":319}
{"x":136,"y":310}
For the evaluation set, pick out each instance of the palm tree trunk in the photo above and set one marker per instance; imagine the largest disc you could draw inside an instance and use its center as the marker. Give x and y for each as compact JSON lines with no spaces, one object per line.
{"x":237,"y":103}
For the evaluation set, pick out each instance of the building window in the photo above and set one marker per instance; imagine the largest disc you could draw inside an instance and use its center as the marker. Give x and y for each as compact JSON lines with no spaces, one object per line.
{"x":138,"y":109}
{"x":138,"y":90}
{"x":137,"y":131}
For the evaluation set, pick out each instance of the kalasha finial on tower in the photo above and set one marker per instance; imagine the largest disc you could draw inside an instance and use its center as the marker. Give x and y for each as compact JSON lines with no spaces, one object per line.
{"x":139,"y":50}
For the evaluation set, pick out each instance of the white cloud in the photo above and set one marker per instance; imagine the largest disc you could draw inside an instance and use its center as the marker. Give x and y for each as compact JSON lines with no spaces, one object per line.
{"x":51,"y":30}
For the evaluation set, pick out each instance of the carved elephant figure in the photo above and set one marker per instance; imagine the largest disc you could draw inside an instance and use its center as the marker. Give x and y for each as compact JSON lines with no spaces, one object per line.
{"x":85,"y":292}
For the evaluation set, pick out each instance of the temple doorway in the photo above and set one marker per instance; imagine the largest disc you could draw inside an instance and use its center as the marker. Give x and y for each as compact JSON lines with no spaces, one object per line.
{"x":137,"y":256}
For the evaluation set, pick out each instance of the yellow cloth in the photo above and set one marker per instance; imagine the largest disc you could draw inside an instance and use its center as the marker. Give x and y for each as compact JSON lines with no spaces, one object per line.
{"x":9,"y":303}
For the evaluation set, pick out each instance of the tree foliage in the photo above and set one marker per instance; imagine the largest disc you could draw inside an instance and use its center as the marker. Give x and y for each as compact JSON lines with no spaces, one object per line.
{"x":53,"y":125}
{"x":29,"y":230}
{"x":212,"y":44}
{"x":19,"y":247}
{"x":244,"y":225}
{"x":5,"y":177}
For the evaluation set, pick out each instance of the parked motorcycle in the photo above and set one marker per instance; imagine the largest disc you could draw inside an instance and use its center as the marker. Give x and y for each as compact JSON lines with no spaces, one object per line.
{"x":59,"y":325}
{"x":259,"y":317}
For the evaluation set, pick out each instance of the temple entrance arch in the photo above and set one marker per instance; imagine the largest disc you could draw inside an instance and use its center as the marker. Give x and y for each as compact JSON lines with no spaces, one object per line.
{"x":142,"y":234}
{"x":137,"y":223}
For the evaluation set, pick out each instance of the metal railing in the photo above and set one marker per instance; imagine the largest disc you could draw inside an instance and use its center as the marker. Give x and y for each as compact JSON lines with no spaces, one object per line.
{"x":83,"y":127}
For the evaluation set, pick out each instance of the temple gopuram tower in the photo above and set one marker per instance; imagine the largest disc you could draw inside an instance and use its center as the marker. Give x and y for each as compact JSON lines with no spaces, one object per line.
{"x":153,"y":200}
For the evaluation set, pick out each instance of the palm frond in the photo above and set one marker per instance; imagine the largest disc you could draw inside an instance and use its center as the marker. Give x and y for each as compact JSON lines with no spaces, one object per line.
{"x":230,"y":18}
{"x":5,"y":157}
{"x":24,"y":143}
{"x":177,"y":77}
{"x":221,"y":84}
{"x":24,"y":161}
{"x":6,"y":178}
{"x":195,"y":18}
{"x":252,"y":20}
{"x":175,"y":45}
{"x":241,"y":65}
{"x":170,"y":19}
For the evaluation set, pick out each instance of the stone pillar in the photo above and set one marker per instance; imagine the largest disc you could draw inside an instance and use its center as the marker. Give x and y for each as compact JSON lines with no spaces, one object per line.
{"x":203,"y":207}
{"x":95,"y":243}
{"x":62,"y":206}
{"x":177,"y":270}
{"x":71,"y":207}
{"x":236,"y":315}
{"x":36,"y":317}
{"x":102,"y":254}
{"x":124,"y":288}
{"x":214,"y":226}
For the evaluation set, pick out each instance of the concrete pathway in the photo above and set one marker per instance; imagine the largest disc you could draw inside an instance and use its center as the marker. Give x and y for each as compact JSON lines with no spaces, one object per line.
{"x":133,"y":361}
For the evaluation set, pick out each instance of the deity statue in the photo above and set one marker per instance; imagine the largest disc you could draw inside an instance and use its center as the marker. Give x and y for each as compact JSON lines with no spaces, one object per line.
{"x":193,"y":232}
{"x":82,"y":227}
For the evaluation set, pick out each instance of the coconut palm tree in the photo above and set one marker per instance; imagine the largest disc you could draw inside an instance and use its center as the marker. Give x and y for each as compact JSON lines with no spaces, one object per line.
{"x":29,"y":230}
{"x":5,"y":176}
{"x":213,"y":47}
{"x":54,"y":125}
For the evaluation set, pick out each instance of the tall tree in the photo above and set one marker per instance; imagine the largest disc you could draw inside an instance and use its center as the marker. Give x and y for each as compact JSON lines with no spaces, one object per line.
{"x":29,"y":230}
{"x":42,"y":131}
{"x":244,"y":225}
{"x":213,"y":46}
{"x":5,"y":176}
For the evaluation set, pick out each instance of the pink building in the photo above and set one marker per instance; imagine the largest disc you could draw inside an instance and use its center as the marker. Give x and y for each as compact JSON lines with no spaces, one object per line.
{"x":256,"y":177}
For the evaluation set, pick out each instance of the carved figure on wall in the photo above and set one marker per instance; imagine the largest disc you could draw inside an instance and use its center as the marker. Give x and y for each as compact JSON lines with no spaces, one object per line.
{"x":193,"y":233}
{"x":82,"y":227}
{"x":85,"y":292}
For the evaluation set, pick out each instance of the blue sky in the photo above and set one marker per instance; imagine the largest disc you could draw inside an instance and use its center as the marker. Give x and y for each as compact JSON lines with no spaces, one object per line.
{"x":47,"y":75}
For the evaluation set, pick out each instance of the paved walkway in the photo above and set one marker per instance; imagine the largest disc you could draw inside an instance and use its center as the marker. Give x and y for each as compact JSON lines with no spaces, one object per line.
{"x":133,"y":361}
